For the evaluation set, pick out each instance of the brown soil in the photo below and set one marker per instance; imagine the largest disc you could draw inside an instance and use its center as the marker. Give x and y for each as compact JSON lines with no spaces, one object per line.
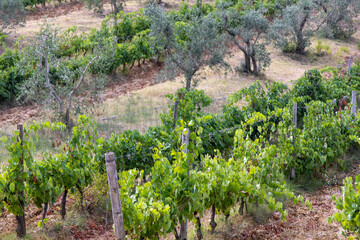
{"x":51,"y":11}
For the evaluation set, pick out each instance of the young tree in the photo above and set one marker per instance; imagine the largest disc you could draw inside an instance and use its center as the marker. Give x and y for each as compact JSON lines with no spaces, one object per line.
{"x":292,"y":31}
{"x":189,"y":46}
{"x":339,"y":17}
{"x":248,"y":32}
{"x":12,"y":13}
{"x":55,"y":80}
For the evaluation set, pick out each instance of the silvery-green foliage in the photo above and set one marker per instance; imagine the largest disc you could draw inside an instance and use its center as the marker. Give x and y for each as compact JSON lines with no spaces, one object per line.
{"x":12,"y":14}
{"x":249,"y":32}
{"x":339,"y":17}
{"x":189,"y":45}
{"x":98,"y":5}
{"x":63,"y":74}
{"x":295,"y":26}
{"x":44,"y":43}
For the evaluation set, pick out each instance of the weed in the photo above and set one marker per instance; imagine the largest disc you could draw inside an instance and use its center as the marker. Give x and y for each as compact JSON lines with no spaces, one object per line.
{"x":289,"y":48}
{"x":338,"y":57}
{"x":322,"y":49}
{"x":344,"y":49}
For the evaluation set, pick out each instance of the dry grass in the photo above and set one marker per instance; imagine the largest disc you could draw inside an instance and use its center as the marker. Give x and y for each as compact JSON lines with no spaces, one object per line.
{"x":284,"y":68}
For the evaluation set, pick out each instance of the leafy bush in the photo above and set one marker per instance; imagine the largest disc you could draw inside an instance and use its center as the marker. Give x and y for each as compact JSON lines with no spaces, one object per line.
{"x":310,"y":87}
{"x":12,"y":75}
{"x":323,"y":139}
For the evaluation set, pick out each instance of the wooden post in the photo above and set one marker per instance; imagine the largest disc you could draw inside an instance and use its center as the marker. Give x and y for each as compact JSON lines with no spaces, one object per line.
{"x":176,"y":106}
{"x":20,"y":219}
{"x":292,"y":174}
{"x":353,"y":102}
{"x":349,"y":67}
{"x":185,"y":139}
{"x":115,"y":196}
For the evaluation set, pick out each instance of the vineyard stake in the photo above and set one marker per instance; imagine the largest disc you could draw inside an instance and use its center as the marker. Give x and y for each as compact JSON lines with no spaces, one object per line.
{"x":21,"y":228}
{"x":292,"y":174}
{"x":353,"y":102}
{"x":185,"y":139}
{"x":115,"y":196}
{"x":176,"y":106}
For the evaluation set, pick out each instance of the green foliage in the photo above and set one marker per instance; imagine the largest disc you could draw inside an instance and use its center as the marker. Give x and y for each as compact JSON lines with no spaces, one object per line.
{"x":11,"y":74}
{"x":22,"y":168}
{"x":339,"y":17}
{"x":3,"y":37}
{"x":291,"y":31}
{"x":322,"y":129}
{"x":321,"y":48}
{"x":310,"y":87}
{"x":12,"y":14}
{"x":131,"y":149}
{"x":349,"y":216}
{"x":249,"y":32}
{"x":46,"y":179}
{"x":344,"y":49}
{"x":189,"y":45}
{"x":98,"y":5}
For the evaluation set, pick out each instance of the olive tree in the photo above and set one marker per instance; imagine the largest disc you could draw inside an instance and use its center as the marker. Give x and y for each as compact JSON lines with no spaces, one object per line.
{"x":98,"y":5}
{"x":54,"y":81}
{"x":12,"y":13}
{"x":248,"y":31}
{"x":339,"y":17}
{"x":298,"y":22}
{"x":189,"y":46}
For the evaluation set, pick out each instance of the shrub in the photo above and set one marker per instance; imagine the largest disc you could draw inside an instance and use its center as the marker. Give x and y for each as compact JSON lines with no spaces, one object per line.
{"x":322,"y":48}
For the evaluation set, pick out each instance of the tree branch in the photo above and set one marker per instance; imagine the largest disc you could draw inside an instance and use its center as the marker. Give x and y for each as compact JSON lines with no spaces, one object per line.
{"x":48,"y":84}
{"x":77,"y":86}
{"x":233,"y":35}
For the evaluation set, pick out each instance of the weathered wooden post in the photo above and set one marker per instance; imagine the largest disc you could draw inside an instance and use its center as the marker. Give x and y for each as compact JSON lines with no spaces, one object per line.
{"x":176,"y":107}
{"x":292,"y":174}
{"x":20,"y":219}
{"x":185,"y":139}
{"x":115,"y":196}
{"x":353,"y":102}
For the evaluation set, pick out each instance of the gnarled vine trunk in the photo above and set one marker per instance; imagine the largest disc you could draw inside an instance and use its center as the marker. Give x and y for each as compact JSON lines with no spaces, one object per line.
{"x":213,"y":224}
{"x":21,"y":226}
{"x":63,"y":204}
{"x":198,"y":230}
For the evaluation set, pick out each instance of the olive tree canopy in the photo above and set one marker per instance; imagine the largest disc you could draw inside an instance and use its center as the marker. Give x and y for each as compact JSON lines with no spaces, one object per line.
{"x":188,"y":45}
{"x":12,"y":14}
